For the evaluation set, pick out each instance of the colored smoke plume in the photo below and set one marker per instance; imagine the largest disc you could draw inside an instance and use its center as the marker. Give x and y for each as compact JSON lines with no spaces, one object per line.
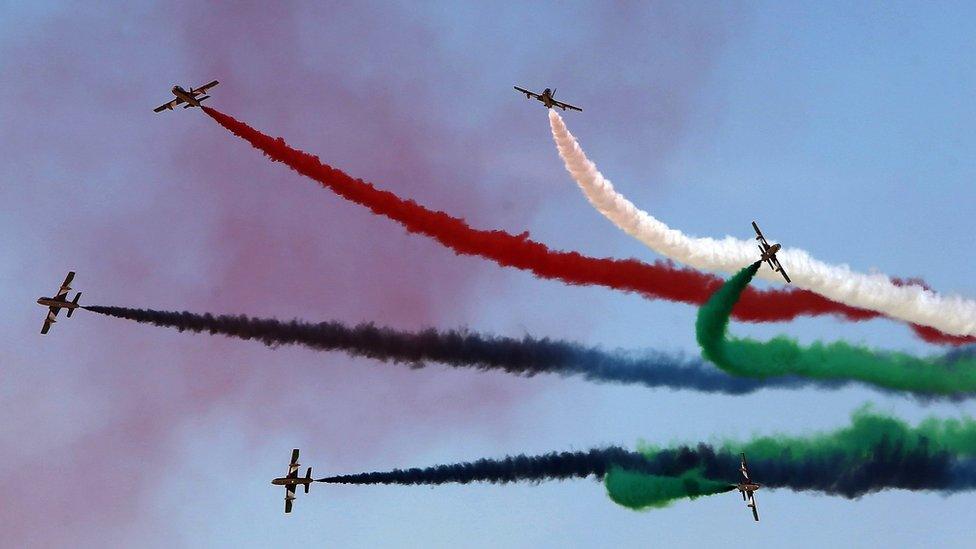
{"x":874,"y":453}
{"x":930,"y":313}
{"x":952,"y":375}
{"x":660,"y":280}
{"x":526,"y":356}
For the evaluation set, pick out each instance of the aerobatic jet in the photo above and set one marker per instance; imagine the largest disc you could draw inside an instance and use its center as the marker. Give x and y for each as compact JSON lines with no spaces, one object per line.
{"x":192,"y":97}
{"x":769,"y":253}
{"x":292,"y":479}
{"x":748,"y":489}
{"x":58,"y":302}
{"x":547,"y":99}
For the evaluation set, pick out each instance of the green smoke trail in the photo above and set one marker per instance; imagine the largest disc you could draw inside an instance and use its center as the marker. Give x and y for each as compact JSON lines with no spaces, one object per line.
{"x":874,"y":452}
{"x":783,"y":356}
{"x":868,"y":429}
{"x":640,"y":491}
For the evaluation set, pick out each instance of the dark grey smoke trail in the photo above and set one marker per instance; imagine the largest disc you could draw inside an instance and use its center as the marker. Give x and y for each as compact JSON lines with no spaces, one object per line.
{"x":887,"y":465}
{"x":521,"y":468}
{"x":527,"y":356}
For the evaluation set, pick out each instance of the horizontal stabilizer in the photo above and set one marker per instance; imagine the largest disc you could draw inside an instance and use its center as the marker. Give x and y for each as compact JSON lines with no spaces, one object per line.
{"x":75,"y":301}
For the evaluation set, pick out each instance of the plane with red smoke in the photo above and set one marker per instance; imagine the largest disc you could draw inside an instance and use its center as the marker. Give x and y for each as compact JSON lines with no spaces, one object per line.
{"x":291,"y":480}
{"x":547,"y":98}
{"x":748,"y":488}
{"x":58,"y":302}
{"x":769,"y":253}
{"x":191,"y":97}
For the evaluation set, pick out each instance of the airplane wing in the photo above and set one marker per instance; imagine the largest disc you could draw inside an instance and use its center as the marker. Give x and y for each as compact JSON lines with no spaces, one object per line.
{"x":527,"y":92}
{"x":65,"y":286}
{"x":782,"y":271}
{"x":289,"y":497}
{"x":294,"y":465}
{"x":169,"y":105}
{"x":752,"y":504}
{"x":759,"y":235}
{"x":203,"y":89}
{"x":52,"y":313}
{"x":565,"y":106}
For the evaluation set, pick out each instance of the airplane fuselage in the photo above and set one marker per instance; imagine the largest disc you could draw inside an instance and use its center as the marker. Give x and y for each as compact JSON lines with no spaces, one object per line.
{"x":293,"y":481}
{"x":186,"y":96}
{"x":771,"y":252}
{"x":547,"y":98}
{"x":747,"y":487}
{"x":62,"y":303}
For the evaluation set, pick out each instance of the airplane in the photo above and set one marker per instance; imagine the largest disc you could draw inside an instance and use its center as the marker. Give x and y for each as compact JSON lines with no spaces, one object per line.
{"x":547,"y":100}
{"x":748,"y":489}
{"x":292,"y":480}
{"x":190,"y":97}
{"x":58,"y":302}
{"x":769,"y":253}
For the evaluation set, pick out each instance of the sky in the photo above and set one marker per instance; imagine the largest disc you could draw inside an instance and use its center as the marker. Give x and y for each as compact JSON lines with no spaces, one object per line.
{"x":846,"y":130}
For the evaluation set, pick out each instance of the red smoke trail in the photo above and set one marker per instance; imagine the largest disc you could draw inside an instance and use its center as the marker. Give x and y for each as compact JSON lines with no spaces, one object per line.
{"x":658,"y":280}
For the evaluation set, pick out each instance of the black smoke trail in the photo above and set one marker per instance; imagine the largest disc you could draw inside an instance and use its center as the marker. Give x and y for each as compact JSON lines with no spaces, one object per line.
{"x":875,"y":452}
{"x":887,"y":464}
{"x":525,"y":356}
{"x":520,"y":468}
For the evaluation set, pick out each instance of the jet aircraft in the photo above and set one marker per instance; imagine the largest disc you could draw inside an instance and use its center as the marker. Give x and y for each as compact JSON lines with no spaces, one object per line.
{"x":748,"y":488}
{"x":547,"y":99}
{"x":191,"y":97}
{"x":769,"y":253}
{"x":58,"y":302}
{"x":292,"y":479}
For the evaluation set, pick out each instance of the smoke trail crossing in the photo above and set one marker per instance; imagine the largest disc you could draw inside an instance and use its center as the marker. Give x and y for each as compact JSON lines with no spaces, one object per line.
{"x":913,"y":303}
{"x":874,"y":453}
{"x":641,"y":491}
{"x":952,"y":375}
{"x":658,"y":280}
{"x":884,"y":464}
{"x":526,"y":356}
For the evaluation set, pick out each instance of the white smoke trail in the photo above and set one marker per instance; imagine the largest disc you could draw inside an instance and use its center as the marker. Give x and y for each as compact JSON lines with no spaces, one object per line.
{"x":950,"y":314}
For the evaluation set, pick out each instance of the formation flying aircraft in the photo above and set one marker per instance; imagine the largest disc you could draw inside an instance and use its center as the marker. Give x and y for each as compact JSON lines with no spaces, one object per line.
{"x":769,"y":253}
{"x":292,"y":479}
{"x":192,"y":97}
{"x":547,"y":99}
{"x":748,"y":489}
{"x":58,"y":302}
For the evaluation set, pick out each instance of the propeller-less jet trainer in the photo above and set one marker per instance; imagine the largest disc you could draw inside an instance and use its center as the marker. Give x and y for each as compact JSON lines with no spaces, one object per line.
{"x":547,"y":99}
{"x":292,"y":479}
{"x":748,"y":489}
{"x":58,"y":302}
{"x":191,"y":97}
{"x":769,"y":253}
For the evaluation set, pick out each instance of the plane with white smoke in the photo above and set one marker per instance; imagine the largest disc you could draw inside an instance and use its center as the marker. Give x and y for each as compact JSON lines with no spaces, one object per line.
{"x":953,"y":315}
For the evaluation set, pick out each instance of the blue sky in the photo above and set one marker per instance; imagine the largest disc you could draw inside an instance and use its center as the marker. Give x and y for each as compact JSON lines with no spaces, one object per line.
{"x":844,"y":130}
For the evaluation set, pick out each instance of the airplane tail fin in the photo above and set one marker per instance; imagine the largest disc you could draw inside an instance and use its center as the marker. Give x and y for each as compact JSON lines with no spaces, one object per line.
{"x":308,"y":477}
{"x":75,"y":301}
